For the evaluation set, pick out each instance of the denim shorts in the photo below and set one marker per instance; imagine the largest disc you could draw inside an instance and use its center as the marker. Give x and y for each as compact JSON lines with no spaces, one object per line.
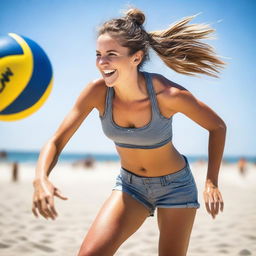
{"x":175,"y":190}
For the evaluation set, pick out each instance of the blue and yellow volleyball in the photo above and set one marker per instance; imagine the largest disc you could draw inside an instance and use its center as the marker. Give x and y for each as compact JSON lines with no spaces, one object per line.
{"x":26,"y":77}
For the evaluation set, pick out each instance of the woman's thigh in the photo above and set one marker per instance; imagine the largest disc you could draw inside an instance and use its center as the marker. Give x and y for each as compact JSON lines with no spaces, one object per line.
{"x":175,"y":226}
{"x":119,"y":217}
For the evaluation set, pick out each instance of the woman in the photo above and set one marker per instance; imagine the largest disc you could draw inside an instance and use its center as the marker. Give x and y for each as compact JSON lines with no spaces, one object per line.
{"x":136,"y":110}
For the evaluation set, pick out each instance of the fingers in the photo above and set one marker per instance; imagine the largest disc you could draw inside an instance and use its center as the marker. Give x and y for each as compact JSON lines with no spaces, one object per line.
{"x":45,"y":206}
{"x":44,"y":210}
{"x":209,"y":204}
{"x":216,"y":204}
{"x":34,"y":209}
{"x":221,"y":202}
{"x":43,"y":199}
{"x":58,"y":194}
{"x":50,"y":201}
{"x":213,"y":201}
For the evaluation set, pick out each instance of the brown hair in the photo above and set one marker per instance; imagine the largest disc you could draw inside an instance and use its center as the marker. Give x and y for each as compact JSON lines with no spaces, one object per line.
{"x":178,"y":46}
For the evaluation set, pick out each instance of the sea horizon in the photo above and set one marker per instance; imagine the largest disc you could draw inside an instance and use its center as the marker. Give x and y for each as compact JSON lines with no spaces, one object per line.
{"x":31,"y":156}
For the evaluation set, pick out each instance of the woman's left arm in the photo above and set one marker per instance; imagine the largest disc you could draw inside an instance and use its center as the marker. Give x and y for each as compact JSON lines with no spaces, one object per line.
{"x":181,"y":100}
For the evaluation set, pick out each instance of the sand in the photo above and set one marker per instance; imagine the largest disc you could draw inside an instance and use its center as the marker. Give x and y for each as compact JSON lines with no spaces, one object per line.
{"x":233,"y":232}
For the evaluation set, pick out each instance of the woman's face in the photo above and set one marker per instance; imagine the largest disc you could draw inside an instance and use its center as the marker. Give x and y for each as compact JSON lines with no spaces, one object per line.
{"x":113,"y":60}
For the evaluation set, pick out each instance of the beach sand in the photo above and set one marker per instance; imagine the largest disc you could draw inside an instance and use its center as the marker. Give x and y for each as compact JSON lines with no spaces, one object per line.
{"x":232,"y":232}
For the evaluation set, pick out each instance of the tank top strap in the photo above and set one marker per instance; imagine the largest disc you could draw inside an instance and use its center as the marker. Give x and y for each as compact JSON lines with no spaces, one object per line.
{"x":151,"y":92}
{"x":109,"y":98}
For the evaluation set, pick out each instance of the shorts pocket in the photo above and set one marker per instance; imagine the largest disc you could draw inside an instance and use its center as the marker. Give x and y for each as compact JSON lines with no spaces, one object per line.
{"x":182,"y":179}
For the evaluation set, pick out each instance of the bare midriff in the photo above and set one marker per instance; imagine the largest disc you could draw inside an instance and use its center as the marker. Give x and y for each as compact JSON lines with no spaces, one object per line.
{"x":151,"y":162}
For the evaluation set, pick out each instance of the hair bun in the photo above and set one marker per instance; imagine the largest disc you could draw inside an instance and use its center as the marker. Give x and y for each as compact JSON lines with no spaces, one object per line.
{"x":135,"y":15}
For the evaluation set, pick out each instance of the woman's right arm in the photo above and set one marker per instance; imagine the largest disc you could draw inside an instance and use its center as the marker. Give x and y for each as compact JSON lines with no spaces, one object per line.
{"x":44,"y":189}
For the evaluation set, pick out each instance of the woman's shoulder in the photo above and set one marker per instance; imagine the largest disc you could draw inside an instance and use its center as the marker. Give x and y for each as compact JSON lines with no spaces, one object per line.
{"x":97,"y":85}
{"x":166,"y":87}
{"x":172,"y":95}
{"x":93,"y":93}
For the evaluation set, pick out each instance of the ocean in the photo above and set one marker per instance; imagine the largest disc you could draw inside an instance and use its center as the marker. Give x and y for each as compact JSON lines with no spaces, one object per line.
{"x":32,"y":156}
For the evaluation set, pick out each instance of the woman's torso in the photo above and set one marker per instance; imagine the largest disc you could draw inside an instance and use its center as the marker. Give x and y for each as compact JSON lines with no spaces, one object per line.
{"x":145,"y":162}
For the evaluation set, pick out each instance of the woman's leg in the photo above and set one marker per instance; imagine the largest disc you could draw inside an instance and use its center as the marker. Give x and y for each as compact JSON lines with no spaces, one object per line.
{"x":120,"y":216}
{"x":175,"y":226}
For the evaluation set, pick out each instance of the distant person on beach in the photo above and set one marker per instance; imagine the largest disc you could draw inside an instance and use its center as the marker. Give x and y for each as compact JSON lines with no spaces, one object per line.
{"x":242,"y":166}
{"x":15,"y":172}
{"x":87,"y":162}
{"x":3,"y":155}
{"x":136,"y":109}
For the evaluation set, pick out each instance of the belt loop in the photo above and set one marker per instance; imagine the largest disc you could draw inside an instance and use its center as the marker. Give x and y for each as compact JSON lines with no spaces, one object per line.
{"x":163,"y":181}
{"x":130,"y":178}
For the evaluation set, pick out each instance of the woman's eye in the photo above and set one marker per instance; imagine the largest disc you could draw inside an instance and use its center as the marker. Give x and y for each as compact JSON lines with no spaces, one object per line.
{"x":110,"y":55}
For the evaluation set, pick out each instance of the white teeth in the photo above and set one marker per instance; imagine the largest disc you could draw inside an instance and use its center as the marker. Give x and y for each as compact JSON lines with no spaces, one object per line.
{"x":108,"y":71}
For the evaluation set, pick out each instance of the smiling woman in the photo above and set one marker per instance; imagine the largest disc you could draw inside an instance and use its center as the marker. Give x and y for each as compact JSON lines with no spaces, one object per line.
{"x":113,"y":64}
{"x":136,"y":110}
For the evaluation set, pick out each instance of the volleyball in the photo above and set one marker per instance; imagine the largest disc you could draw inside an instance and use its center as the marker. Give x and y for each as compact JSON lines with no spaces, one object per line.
{"x":26,"y":77}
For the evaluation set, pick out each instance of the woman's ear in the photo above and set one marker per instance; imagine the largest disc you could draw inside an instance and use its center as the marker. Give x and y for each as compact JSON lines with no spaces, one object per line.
{"x":138,"y":57}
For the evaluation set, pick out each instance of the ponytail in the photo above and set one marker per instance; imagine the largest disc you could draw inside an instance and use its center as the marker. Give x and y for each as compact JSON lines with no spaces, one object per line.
{"x":179,"y":48}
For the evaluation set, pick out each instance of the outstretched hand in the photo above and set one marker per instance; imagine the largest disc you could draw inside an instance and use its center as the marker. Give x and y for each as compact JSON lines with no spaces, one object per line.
{"x":213,"y":199}
{"x":43,"y":198}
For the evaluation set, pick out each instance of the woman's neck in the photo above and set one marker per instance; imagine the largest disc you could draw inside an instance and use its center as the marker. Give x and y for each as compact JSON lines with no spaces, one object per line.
{"x":131,"y":90}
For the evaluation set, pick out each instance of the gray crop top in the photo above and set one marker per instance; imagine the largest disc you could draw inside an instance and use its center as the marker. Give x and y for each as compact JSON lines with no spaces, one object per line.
{"x":154,"y":134}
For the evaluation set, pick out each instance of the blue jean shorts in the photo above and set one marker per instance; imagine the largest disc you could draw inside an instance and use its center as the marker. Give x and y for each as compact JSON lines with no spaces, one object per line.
{"x":175,"y":190}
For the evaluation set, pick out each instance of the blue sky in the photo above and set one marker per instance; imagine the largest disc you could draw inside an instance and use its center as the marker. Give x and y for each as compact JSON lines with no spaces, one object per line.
{"x":66,"y":30}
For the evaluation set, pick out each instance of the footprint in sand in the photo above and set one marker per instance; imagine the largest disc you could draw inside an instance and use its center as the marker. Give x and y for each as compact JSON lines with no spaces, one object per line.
{"x":42,"y":247}
{"x":45,"y":241}
{"x":245,"y":252}
{"x":251,"y":237}
{"x":9,"y":241}
{"x":4,"y":246}
{"x":22,"y":238}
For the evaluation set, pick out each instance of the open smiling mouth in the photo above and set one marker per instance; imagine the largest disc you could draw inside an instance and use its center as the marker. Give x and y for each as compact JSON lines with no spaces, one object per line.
{"x":108,"y":73}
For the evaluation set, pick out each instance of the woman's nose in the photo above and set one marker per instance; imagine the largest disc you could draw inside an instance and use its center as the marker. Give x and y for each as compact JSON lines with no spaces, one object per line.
{"x":102,"y":60}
